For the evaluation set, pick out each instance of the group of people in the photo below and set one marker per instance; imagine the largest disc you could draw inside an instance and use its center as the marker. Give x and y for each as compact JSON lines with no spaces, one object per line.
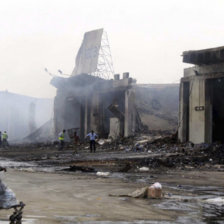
{"x":92,"y":140}
{"x":4,"y":139}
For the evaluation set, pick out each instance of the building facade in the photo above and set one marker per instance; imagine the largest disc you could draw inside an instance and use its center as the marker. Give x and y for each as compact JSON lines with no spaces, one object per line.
{"x":201,"y":108}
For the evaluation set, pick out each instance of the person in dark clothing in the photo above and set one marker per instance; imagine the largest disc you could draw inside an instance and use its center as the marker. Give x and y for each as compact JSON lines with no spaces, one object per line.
{"x":76,"y":141}
{"x":92,"y":137}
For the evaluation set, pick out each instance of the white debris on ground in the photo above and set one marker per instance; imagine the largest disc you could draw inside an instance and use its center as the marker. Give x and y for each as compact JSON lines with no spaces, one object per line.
{"x":155,"y":191}
{"x":103,"y":174}
{"x":157,"y":185}
{"x":216,"y":201}
{"x":143,"y":169}
{"x":103,"y":141}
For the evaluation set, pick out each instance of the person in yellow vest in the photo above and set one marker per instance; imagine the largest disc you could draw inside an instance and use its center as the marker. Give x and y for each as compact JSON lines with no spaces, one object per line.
{"x":5,"y":139}
{"x":61,"y":138}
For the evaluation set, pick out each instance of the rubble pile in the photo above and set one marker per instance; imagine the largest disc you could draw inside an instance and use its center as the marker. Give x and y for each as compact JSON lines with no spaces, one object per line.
{"x":139,"y":153}
{"x":185,"y":155}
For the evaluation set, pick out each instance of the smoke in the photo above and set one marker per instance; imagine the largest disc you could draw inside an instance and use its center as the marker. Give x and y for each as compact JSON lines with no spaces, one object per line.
{"x":22,"y":114}
{"x":73,"y":95}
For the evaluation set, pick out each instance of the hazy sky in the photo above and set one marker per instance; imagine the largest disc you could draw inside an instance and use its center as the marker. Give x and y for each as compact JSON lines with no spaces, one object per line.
{"x":147,"y":37}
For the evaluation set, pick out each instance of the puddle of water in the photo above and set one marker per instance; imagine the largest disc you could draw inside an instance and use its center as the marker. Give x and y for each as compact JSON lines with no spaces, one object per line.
{"x":13,"y":164}
{"x":39,"y":169}
{"x":24,"y":221}
{"x":176,"y":206}
{"x":134,"y":177}
{"x":119,"y":222}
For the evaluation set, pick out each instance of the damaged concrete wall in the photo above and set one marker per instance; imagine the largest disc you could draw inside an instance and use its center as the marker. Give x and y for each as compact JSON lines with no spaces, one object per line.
{"x":115,"y":131}
{"x":157,"y":105}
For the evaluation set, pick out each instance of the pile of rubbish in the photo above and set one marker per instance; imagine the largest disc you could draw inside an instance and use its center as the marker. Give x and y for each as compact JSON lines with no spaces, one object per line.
{"x":185,"y":155}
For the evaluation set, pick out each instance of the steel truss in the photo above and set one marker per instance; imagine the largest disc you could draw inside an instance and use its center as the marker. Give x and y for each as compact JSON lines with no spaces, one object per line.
{"x":105,"y":67}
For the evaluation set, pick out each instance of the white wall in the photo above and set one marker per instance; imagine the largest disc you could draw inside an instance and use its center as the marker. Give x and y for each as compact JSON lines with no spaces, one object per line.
{"x":197,"y":118}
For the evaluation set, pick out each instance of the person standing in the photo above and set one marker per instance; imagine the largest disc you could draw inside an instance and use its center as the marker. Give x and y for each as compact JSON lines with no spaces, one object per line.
{"x":76,"y":138}
{"x":61,"y":138}
{"x":5,"y":139}
{"x":76,"y":141}
{"x":92,"y":137}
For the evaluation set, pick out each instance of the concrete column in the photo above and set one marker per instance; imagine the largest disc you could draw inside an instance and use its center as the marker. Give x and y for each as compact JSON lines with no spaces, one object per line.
{"x":197,"y":117}
{"x":86,"y":116}
{"x":130,"y":113}
{"x":181,"y":113}
{"x":94,"y":111}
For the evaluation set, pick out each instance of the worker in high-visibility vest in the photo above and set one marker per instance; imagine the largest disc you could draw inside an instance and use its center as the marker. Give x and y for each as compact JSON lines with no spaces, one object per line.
{"x":5,"y":139}
{"x":61,"y":138}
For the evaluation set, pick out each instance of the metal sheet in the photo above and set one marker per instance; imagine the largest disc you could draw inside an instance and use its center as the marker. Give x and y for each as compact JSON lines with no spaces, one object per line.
{"x":87,"y":57}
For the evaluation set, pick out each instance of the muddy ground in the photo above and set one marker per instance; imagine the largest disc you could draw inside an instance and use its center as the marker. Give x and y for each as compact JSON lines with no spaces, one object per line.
{"x":84,"y":198}
{"x":40,"y":177}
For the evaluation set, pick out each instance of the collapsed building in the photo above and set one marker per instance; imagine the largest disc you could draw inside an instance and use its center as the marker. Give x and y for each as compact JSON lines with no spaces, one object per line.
{"x":90,"y":100}
{"x":84,"y":103}
{"x":201,"y":108}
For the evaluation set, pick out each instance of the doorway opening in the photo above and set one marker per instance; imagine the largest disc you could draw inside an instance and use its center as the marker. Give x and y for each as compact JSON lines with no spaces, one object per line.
{"x":218,"y":110}
{"x":186,"y":95}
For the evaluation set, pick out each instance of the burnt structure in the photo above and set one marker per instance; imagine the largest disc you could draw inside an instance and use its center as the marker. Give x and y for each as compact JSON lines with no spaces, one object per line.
{"x":201,"y":108}
{"x":84,"y":103}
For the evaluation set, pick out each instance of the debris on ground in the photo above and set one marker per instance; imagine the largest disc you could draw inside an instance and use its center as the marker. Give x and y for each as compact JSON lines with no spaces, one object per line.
{"x":104,"y":141}
{"x":155,"y":191}
{"x":153,"y":150}
{"x":103,"y":174}
{"x":143,"y":169}
{"x":216,"y":201}
{"x":139,"y":193}
{"x":152,"y":192}
{"x":80,"y":168}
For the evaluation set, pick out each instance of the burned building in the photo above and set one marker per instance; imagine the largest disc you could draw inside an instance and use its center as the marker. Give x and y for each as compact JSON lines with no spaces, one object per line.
{"x":90,"y":100}
{"x":201,"y":108}
{"x":84,"y":103}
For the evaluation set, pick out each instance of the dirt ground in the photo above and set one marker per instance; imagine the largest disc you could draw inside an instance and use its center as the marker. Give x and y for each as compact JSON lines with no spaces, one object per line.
{"x":53,"y":195}
{"x":79,"y":198}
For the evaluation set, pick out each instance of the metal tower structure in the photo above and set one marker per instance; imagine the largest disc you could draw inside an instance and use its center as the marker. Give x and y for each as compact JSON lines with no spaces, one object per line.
{"x":105,"y":67}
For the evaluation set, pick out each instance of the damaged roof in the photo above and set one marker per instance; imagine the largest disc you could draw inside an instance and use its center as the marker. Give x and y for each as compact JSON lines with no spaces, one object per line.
{"x":205,"y":56}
